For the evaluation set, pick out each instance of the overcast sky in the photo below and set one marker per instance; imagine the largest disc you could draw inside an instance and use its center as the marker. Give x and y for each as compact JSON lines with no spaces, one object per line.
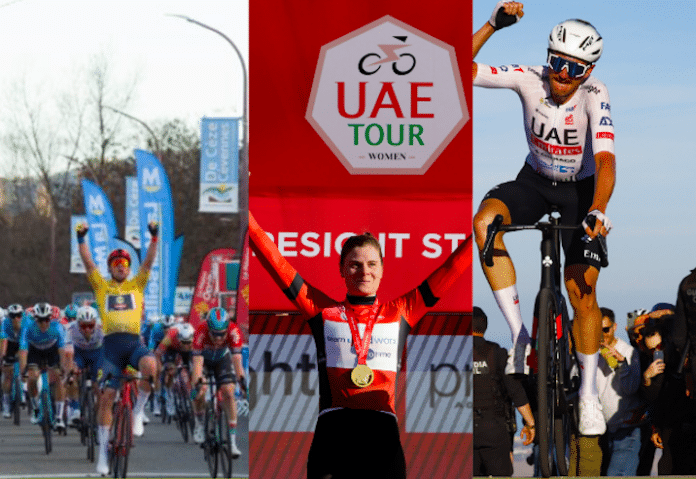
{"x":184,"y":70}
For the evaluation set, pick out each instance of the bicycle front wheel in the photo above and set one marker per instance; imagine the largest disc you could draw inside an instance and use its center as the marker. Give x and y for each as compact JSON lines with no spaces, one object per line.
{"x":121,"y":444}
{"x":210,"y":446}
{"x":546,"y":314}
{"x":223,"y":430}
{"x":16,"y":400}
{"x":46,"y":422}
{"x":90,"y":425}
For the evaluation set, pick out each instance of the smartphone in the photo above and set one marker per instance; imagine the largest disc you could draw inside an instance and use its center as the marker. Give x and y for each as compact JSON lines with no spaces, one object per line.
{"x":658,"y":354}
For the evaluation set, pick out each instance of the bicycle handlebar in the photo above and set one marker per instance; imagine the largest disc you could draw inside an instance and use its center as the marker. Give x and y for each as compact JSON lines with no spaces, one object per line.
{"x":497,"y":225}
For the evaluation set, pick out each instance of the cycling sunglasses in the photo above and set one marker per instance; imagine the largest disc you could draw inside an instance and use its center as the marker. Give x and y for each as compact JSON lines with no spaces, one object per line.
{"x":218,"y":334}
{"x":15,"y":315}
{"x":120,"y":261}
{"x":574,"y":69}
{"x":607,"y":329}
{"x":87,"y":326}
{"x":40,"y":319}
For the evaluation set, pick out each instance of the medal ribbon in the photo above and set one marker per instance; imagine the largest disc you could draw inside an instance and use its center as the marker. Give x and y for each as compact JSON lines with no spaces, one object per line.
{"x":362,"y":346}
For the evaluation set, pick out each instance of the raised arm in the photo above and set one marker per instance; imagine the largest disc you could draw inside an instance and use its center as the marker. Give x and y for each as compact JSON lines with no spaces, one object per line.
{"x":82,"y":247}
{"x":309,"y":300}
{"x":149,"y":260}
{"x":504,"y":15}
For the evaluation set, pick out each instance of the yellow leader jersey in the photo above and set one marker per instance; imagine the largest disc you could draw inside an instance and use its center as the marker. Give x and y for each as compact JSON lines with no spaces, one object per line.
{"x":120,"y":304}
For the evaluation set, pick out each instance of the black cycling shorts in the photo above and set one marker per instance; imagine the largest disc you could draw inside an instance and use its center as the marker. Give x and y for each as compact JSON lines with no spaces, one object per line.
{"x":11,"y":353}
{"x":356,"y":443}
{"x":222,"y":369}
{"x":530,"y":196}
{"x":40,"y":357}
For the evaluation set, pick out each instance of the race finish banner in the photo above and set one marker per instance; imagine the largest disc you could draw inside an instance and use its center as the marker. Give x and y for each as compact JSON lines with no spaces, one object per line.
{"x":366,"y":129}
{"x":219,"y":176}
{"x":155,"y":204}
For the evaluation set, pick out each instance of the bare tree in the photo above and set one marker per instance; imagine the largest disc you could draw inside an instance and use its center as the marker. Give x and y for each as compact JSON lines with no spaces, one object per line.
{"x":47,"y":134}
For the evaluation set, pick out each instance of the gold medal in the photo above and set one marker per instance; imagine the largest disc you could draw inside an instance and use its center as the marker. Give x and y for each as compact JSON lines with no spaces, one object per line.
{"x":362,"y":376}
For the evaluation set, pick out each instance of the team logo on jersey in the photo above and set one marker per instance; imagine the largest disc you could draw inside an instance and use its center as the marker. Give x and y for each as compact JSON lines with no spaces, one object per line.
{"x":387,"y":98}
{"x":606,"y":121}
{"x":119,"y":302}
{"x":569,"y":120}
{"x":605,"y":135}
{"x":605,"y":106}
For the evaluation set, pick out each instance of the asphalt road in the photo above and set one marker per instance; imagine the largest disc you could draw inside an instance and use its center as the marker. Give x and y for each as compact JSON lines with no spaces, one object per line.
{"x":161,"y":452}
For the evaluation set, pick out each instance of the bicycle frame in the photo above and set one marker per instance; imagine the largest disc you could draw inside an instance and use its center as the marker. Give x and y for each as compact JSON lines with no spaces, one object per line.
{"x":46,"y":410}
{"x":554,"y":345}
{"x":123,"y":426}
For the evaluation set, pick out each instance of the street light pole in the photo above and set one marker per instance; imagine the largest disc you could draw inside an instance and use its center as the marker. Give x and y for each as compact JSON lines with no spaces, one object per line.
{"x":244,"y":160}
{"x":152,"y":133}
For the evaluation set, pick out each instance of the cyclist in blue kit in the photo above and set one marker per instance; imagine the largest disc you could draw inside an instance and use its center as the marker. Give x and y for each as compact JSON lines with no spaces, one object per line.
{"x":571,"y":166}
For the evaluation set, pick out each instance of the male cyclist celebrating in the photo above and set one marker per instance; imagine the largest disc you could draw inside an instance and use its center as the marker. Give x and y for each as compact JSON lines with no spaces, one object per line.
{"x":570,"y":166}
{"x":120,"y":302}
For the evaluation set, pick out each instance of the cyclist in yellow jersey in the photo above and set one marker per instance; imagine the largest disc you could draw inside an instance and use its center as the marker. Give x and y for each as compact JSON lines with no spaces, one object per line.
{"x":120,"y":302}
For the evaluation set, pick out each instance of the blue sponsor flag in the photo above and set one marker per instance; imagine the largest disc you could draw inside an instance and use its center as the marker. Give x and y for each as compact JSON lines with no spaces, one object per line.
{"x":102,"y":224}
{"x":219,"y":176}
{"x":155,"y":204}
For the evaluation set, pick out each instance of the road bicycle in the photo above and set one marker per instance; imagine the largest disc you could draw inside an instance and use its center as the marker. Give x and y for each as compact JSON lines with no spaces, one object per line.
{"x":122,"y":425}
{"x":16,"y":397}
{"x":217,"y":446}
{"x":88,"y":413}
{"x":557,"y":377}
{"x":182,"y":402}
{"x":46,"y":416}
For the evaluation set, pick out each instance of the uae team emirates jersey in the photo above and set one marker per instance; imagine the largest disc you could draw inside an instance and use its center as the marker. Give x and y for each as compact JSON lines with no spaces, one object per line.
{"x":562,"y":139}
{"x":328,"y":320}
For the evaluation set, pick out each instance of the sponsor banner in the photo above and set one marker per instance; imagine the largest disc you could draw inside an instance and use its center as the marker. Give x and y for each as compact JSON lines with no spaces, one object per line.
{"x":155,"y":204}
{"x":433,"y":396}
{"x":206,"y":294}
{"x":310,"y":233}
{"x":219,"y":176}
{"x":76,"y":264}
{"x":132,"y":228}
{"x":183,"y":299}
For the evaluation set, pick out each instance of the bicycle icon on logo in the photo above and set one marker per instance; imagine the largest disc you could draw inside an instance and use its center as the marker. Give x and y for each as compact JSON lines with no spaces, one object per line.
{"x":402,"y":64}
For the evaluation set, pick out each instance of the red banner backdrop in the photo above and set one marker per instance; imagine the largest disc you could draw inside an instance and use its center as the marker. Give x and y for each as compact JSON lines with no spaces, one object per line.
{"x":326,"y":161}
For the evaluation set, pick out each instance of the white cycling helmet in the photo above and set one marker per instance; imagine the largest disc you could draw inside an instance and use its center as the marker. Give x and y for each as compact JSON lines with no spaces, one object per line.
{"x":87,"y":314}
{"x":184,"y":332}
{"x":168,"y":320}
{"x":43,"y":310}
{"x":15,"y":309}
{"x":576,"y":38}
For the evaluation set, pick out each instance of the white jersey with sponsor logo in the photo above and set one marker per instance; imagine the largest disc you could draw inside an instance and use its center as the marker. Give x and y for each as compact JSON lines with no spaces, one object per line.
{"x":563,"y":139}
